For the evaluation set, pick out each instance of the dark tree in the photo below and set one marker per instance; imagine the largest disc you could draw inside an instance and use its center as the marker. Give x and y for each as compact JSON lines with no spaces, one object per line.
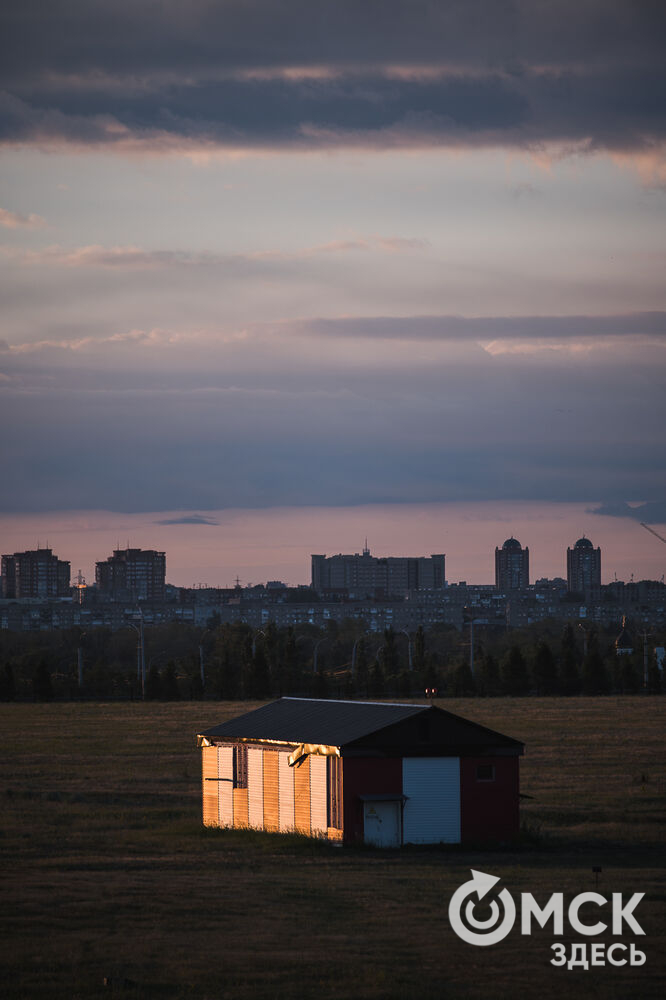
{"x":513,"y":673}
{"x":569,"y":674}
{"x":43,"y":687}
{"x":594,"y":678}
{"x":170,"y":690}
{"x":7,"y":684}
{"x":390,"y":653}
{"x":419,"y":650}
{"x":487,"y":677}
{"x":544,"y":670}
{"x":377,"y":679}
{"x":461,"y":682}
{"x":260,"y":674}
{"x":153,"y":690}
{"x":362,"y":677}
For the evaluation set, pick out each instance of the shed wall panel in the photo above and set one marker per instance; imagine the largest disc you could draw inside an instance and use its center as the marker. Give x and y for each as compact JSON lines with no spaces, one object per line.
{"x":241,"y":819}
{"x":271,"y":790}
{"x":318,"y":795}
{"x":225,"y":773}
{"x":432,"y":809}
{"x":286,"y":800}
{"x":209,"y":771}
{"x":302,"y":797}
{"x":255,"y":787}
{"x":490,"y":809}
{"x":362,"y":776}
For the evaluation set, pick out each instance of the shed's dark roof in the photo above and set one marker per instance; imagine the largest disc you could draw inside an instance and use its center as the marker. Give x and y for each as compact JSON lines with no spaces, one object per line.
{"x":358,"y":724}
{"x":314,"y":720}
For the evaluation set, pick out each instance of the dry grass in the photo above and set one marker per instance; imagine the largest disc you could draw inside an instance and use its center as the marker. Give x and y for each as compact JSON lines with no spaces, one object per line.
{"x":108,"y":871}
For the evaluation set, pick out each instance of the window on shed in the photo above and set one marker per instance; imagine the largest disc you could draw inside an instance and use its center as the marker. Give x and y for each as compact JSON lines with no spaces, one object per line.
{"x":485,"y":772}
{"x":240,"y":766}
{"x":334,"y":788}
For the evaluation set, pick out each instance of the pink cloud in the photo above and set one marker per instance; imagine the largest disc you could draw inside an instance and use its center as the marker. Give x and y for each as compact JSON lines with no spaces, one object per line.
{"x":16,"y":220}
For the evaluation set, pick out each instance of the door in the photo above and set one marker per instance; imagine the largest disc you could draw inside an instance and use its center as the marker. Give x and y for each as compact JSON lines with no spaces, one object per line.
{"x":432,"y":808}
{"x":381,"y":824}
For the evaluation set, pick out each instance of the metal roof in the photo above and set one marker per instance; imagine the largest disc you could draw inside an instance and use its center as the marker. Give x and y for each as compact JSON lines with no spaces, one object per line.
{"x":357,"y":724}
{"x":312,"y":720}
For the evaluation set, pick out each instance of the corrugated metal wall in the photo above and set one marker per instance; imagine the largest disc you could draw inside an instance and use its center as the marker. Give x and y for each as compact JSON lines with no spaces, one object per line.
{"x":302,"y":796}
{"x":318,"y":803}
{"x":286,"y":795}
{"x":241,"y":818}
{"x":432,"y":809}
{"x":277,"y":797}
{"x":225,"y":773}
{"x":270,"y":782}
{"x":209,"y":771}
{"x":255,"y":787}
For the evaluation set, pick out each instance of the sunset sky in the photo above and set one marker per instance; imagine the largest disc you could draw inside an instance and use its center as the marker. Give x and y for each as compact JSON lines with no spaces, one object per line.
{"x":314,"y":268}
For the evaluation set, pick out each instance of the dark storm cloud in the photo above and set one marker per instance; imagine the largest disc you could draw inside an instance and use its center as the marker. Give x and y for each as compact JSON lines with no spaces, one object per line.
{"x":484,"y":328}
{"x":470,"y":428}
{"x":191,"y":519}
{"x":381,"y":72}
{"x":648,"y":513}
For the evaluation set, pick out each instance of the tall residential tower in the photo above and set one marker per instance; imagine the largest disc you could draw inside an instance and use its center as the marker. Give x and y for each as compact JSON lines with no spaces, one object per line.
{"x":512,"y":566}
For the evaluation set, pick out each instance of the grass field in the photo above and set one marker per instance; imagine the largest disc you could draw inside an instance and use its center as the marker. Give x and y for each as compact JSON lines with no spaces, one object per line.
{"x":107,"y":871}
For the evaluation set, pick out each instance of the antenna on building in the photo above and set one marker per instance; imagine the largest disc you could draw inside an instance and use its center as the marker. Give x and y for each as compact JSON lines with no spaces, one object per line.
{"x":366,"y":550}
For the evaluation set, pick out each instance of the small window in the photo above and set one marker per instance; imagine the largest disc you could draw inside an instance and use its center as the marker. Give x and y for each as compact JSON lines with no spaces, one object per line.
{"x":485,"y":772}
{"x":240,"y":767}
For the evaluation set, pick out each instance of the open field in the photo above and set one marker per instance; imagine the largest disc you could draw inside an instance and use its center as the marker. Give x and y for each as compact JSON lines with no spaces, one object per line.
{"x":108,"y":871}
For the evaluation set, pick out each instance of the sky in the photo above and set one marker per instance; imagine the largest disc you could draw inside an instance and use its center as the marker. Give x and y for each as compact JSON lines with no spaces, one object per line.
{"x":287,"y":263}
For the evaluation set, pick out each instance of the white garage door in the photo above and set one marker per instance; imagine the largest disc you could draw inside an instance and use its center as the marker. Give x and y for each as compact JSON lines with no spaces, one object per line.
{"x":432,"y":809}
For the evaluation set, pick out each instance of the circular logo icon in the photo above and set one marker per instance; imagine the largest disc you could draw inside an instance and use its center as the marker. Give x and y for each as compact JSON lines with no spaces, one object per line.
{"x":471,"y":929}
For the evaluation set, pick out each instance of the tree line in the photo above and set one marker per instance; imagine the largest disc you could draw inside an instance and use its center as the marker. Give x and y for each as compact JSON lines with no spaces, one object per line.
{"x":234,"y":661}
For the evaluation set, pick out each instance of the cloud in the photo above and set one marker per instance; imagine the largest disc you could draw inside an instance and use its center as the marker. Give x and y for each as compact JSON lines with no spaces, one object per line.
{"x":136,"y":258}
{"x":265,"y":421}
{"x":15,"y":220}
{"x":653,"y":512}
{"x":381,"y":74}
{"x":190,"y":519}
{"x":489,"y":328}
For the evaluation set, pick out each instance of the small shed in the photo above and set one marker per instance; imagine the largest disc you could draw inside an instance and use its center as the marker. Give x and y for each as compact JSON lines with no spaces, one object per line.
{"x":374,"y":772}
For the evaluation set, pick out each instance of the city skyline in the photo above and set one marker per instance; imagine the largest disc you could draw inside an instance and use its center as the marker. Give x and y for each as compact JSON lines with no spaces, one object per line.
{"x":213,"y":549}
{"x":269,"y":258}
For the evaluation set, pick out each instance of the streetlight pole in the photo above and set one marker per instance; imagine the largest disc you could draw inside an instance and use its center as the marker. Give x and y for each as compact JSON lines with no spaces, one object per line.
{"x":79,"y":661}
{"x":141,"y":656}
{"x":409,"y":648}
{"x":353,"y":659}
{"x":316,"y":650}
{"x":254,"y":641}
{"x":201,"y":657}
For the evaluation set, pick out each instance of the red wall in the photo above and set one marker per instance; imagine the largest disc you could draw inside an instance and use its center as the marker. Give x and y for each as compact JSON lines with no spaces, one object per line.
{"x":366,"y":776}
{"x":489,"y":810}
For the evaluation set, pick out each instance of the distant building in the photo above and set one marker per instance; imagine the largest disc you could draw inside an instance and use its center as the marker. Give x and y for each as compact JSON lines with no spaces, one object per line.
{"x":624,"y":644}
{"x":369,"y":576}
{"x":34,"y":574}
{"x":132,"y":575}
{"x":512,"y":566}
{"x":584,"y":569}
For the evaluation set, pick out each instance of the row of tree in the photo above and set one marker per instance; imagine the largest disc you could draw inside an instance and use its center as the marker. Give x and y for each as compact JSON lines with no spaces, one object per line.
{"x":236,"y":662}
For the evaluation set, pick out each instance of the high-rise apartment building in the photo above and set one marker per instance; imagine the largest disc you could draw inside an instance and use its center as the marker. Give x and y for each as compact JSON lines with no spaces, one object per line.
{"x":132,"y":575}
{"x":584,"y":569}
{"x":365,"y":575}
{"x":37,"y":573}
{"x":512,"y":566}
